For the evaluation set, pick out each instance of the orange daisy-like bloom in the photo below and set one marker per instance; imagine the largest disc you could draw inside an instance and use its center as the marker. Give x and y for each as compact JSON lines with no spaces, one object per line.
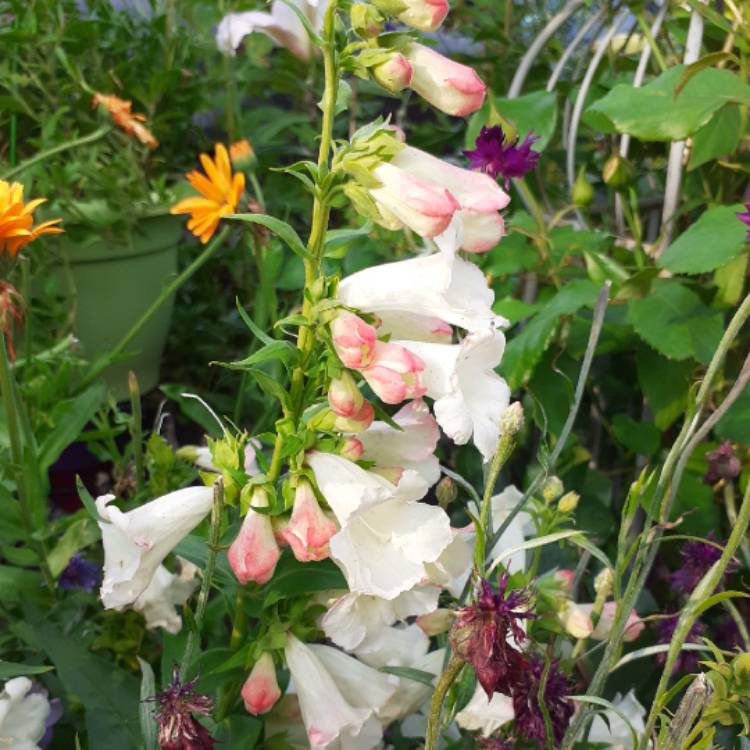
{"x":17,"y":219}
{"x":221,"y":191}
{"x":131,"y":123}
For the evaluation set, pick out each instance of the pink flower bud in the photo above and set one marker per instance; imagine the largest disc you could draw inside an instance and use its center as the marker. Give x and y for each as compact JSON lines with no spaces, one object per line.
{"x":358,"y":422}
{"x":394,"y":373}
{"x":261,"y":690}
{"x":354,"y":339}
{"x":565,"y":578}
{"x":394,"y":74}
{"x":451,"y":87}
{"x":633,"y":627}
{"x":437,"y":622}
{"x":344,"y":397}
{"x":254,"y":553}
{"x":309,"y":529}
{"x":576,"y":620}
{"x":352,"y":449}
{"x":425,"y":15}
{"x":482,"y":231}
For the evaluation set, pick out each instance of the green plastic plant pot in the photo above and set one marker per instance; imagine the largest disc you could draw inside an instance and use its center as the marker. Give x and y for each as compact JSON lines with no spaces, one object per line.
{"x":113,"y":282}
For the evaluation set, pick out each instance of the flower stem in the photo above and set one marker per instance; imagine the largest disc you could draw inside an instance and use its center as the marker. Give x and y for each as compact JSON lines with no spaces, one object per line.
{"x":136,"y":430}
{"x":101,"y":364}
{"x":42,"y":155}
{"x":447,"y":678}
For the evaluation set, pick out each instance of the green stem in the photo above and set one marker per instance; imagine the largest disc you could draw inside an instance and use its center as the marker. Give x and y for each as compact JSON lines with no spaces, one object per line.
{"x":208,"y":573}
{"x":447,"y":678}
{"x":136,"y":430}
{"x":101,"y":364}
{"x":42,"y":155}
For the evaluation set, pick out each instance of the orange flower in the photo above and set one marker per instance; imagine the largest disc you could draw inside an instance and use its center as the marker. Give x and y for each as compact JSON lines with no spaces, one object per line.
{"x":132,"y":124}
{"x":221,"y":191}
{"x":241,"y":153}
{"x":17,"y":221}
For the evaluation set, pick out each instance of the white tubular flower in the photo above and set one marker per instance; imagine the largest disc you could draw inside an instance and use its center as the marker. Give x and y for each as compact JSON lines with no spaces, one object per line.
{"x":469,"y":395}
{"x":349,"y":691}
{"x":451,"y":570}
{"x":162,"y":596}
{"x":136,"y":542}
{"x":412,"y":447}
{"x":610,"y":729}
{"x":281,"y":24}
{"x":23,"y":715}
{"x":483,"y":715}
{"x":412,"y":695}
{"x":356,"y":619}
{"x":415,"y":295}
{"x":394,"y":647}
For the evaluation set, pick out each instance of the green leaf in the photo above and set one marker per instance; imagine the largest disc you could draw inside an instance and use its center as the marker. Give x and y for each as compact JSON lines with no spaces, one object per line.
{"x":147,"y":710}
{"x":720,"y":137}
{"x":665,"y":385}
{"x":675,"y":322}
{"x":270,"y":386}
{"x":594,"y":700}
{"x":278,"y":227}
{"x":652,"y":113}
{"x":735,"y":424}
{"x":276,"y":350}
{"x":409,"y":673}
{"x":730,"y":280}
{"x":70,"y":417}
{"x":338,"y":240}
{"x":9,"y":669}
{"x":17,"y":584}
{"x":192,"y":409}
{"x":715,"y":239}
{"x":88,"y":502}
{"x":639,"y":437}
{"x":80,"y":534}
{"x":293,"y":578}
{"x":533,"y":112}
{"x":707,"y":61}
{"x":541,"y":541}
{"x":255,"y":329}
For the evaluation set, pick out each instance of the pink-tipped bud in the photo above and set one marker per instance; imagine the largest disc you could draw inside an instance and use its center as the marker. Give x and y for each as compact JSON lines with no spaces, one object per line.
{"x":633,"y":627}
{"x":261,"y":689}
{"x":453,"y":88}
{"x":254,"y":553}
{"x":565,"y":578}
{"x":357,"y":423}
{"x":352,"y":449}
{"x":344,"y":397}
{"x":394,"y":74}
{"x":394,"y":373}
{"x":354,"y":340}
{"x":425,"y":15}
{"x":576,"y":620}
{"x":437,"y":622}
{"x":309,"y":529}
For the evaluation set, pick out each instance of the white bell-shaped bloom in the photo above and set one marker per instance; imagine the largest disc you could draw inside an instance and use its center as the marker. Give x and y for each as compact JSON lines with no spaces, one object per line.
{"x":136,"y":542}
{"x":470,"y":396}
{"x":337,"y":694}
{"x":422,"y":290}
{"x":483,"y":715}
{"x":167,"y":591}
{"x":23,"y":715}
{"x":354,"y":619}
{"x":411,"y":447}
{"x":396,"y":646}
{"x":281,"y":24}
{"x":612,"y":731}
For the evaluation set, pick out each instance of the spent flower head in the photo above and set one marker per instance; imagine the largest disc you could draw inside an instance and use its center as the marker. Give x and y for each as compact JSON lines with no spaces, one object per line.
{"x":122,"y":116}
{"x":495,"y":156}
{"x":722,"y":464}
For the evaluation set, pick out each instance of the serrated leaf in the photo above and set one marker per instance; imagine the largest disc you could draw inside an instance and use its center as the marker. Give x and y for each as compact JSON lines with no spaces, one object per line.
{"x":715,"y":239}
{"x":278,"y":227}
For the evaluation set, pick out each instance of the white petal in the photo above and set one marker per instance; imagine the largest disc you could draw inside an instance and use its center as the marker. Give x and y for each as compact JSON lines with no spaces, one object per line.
{"x":485,"y":715}
{"x":614,"y":732}
{"x":163,"y":595}
{"x":394,"y":647}
{"x":412,"y":695}
{"x":520,"y":527}
{"x":23,"y":715}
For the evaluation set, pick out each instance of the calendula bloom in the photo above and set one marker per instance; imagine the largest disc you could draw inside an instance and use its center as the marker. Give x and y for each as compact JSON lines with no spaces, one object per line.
{"x":122,"y":116}
{"x":744,"y":217}
{"x":485,"y":715}
{"x":220,"y":191}
{"x":17,"y":219}
{"x":261,"y":688}
{"x":495,"y":156}
{"x":23,"y":715}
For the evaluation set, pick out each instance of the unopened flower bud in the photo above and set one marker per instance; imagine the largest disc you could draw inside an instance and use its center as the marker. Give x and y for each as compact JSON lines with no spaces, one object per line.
{"x":604,"y":583}
{"x":552,"y":489}
{"x":394,"y":74}
{"x":359,"y":422}
{"x":344,"y":396}
{"x":352,"y":449}
{"x":633,"y":626}
{"x":446,"y":492}
{"x":583,"y":192}
{"x":366,"y":19}
{"x":261,"y":689}
{"x":437,"y":622}
{"x":617,"y":172}
{"x":353,"y":339}
{"x":575,"y":620}
{"x":254,"y":553}
{"x":512,"y":420}
{"x":309,"y":529}
{"x":722,"y":464}
{"x":568,"y":502}
{"x":242,"y":155}
{"x":565,"y":578}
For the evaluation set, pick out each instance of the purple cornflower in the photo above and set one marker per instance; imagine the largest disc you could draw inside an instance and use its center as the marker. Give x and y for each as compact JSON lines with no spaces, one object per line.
{"x":529,"y":720}
{"x":178,"y":728}
{"x":687,"y":661}
{"x":744,"y":217}
{"x":697,"y":559}
{"x":482,"y":632}
{"x":79,"y":574}
{"x":722,"y":464}
{"x":493,"y":156}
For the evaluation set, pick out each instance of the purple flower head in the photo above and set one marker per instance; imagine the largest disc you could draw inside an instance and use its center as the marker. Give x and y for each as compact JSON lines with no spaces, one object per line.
{"x":79,"y":574}
{"x":178,"y":728}
{"x":687,"y":661}
{"x":482,"y":632}
{"x":697,"y":559}
{"x":722,"y":464}
{"x":494,"y":743}
{"x":529,"y":720}
{"x":493,"y":156}
{"x":744,"y":217}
